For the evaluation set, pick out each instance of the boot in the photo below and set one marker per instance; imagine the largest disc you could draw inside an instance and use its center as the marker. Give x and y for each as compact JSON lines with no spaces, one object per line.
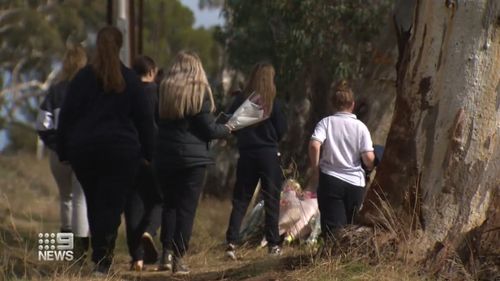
{"x":150,"y":251}
{"x":166,"y":260}
{"x":179,"y":267}
{"x":81,"y":248}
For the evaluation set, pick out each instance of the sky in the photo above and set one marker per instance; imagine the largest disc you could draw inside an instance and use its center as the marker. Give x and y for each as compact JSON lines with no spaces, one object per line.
{"x":206,"y":17}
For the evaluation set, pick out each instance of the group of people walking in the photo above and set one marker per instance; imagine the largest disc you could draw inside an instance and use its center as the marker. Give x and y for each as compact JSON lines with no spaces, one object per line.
{"x":132,"y":147}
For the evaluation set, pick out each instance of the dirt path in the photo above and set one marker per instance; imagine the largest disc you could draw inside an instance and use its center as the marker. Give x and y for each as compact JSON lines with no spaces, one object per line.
{"x":255,"y":270}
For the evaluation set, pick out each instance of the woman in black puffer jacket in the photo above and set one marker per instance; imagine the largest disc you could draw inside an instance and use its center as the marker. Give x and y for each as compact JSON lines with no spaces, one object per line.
{"x":185,"y":127}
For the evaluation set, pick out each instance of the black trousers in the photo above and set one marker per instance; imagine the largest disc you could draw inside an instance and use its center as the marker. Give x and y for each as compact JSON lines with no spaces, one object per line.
{"x":106,"y":176}
{"x":181,"y":192}
{"x":142,"y":210}
{"x":253,"y":165}
{"x":338,"y":203}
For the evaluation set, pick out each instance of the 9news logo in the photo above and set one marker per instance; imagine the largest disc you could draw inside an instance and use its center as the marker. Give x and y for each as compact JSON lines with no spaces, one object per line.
{"x":55,"y":246}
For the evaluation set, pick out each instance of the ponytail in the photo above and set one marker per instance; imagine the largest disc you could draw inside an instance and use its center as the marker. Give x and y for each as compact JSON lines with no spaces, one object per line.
{"x":106,"y":63}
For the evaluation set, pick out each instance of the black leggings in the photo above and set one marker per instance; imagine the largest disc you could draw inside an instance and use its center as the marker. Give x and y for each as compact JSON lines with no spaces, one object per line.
{"x":106,"y":177}
{"x":253,"y":165}
{"x":142,"y":210}
{"x":181,"y":193}
{"x":338,"y":203}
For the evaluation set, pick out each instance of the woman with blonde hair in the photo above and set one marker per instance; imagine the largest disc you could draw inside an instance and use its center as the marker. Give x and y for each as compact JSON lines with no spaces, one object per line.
{"x":73,"y":210}
{"x":258,"y":147}
{"x":106,"y":128}
{"x":186,"y":126}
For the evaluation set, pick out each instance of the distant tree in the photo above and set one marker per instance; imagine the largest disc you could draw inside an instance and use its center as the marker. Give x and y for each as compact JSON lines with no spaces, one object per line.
{"x":33,"y":38}
{"x":210,"y":4}
{"x":168,"y":28}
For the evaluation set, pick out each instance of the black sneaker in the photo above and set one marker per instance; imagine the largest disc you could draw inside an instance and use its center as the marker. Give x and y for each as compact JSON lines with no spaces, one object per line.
{"x":166,"y":261}
{"x":231,"y":251}
{"x":150,"y":251}
{"x":274,"y":251}
{"x":100,"y":271}
{"x":80,"y":249}
{"x":179,"y":267}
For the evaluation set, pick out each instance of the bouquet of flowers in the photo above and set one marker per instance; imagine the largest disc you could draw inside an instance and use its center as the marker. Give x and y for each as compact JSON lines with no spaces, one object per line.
{"x":298,"y":218}
{"x":250,"y":112}
{"x":296,"y":211}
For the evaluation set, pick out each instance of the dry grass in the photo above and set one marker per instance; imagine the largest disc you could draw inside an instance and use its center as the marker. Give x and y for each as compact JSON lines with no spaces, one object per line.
{"x":29,"y":205}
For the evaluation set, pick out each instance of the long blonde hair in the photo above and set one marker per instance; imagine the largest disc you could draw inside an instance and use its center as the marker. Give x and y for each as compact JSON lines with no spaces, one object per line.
{"x":74,"y":59}
{"x":184,"y":87}
{"x":261,"y":82}
{"x":106,"y":62}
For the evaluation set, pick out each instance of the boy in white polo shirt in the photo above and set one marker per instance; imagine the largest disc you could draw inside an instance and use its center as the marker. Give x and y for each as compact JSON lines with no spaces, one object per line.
{"x":344,"y":142}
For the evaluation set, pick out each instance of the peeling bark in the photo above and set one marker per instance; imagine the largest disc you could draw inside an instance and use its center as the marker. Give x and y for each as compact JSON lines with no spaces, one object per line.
{"x":442,"y":160}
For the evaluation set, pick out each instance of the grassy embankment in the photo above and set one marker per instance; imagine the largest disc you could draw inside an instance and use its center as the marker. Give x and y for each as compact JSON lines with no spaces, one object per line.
{"x":29,"y":205}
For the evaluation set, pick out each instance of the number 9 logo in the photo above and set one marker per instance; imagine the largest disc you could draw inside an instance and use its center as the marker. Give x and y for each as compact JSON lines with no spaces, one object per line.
{"x":64,"y":241}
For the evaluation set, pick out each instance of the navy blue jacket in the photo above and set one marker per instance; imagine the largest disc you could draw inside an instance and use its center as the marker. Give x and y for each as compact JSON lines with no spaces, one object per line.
{"x":93,"y":119}
{"x":46,"y":125}
{"x":266,"y":134}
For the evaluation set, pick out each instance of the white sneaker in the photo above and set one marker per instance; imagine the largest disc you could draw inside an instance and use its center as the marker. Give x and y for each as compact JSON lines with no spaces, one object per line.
{"x":231,"y":251}
{"x":275,"y":251}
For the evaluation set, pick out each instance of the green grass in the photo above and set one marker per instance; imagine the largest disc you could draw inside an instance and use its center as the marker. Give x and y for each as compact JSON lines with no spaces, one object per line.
{"x":29,"y":205}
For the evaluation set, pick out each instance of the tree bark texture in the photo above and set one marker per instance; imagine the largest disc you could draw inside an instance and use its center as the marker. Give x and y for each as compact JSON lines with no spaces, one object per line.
{"x":441,"y":168}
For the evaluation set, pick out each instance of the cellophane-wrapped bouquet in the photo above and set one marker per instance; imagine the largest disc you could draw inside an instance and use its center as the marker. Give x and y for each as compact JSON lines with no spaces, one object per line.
{"x":298,"y":218}
{"x":250,"y":112}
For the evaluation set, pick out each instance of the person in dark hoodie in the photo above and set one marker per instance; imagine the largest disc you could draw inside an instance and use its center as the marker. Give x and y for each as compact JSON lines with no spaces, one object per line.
{"x":106,"y":128}
{"x":258,"y":147}
{"x":143,"y":207}
{"x":186,"y":126}
{"x":73,"y":209}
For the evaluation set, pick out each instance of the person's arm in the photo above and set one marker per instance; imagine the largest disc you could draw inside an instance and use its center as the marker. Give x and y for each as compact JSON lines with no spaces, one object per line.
{"x":368,"y":158}
{"x":46,"y":123}
{"x":73,"y":100}
{"x":206,"y":125}
{"x":278,"y":119}
{"x":366,"y":148}
{"x":143,"y":118}
{"x":237,"y":101}
{"x":314,"y":155}
{"x":317,"y":139}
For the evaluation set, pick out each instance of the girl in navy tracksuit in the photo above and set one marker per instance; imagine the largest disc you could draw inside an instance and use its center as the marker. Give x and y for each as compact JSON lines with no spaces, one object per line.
{"x":105,"y":130}
{"x":258,"y":148}
{"x":143,"y":207}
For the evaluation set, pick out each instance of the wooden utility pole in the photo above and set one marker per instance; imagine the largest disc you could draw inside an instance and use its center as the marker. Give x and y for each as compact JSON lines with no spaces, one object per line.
{"x":140,"y":24}
{"x":122,"y":23}
{"x":126,"y":15}
{"x":109,"y":12}
{"x":132,"y":30}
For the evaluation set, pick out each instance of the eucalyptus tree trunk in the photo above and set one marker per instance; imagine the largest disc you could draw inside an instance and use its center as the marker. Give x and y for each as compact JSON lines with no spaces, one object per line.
{"x":441,"y":170}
